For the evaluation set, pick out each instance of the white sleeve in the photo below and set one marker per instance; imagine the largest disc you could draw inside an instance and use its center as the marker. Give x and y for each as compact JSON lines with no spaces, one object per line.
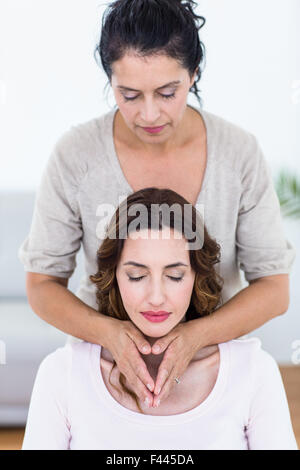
{"x":269,"y":426}
{"x":47,"y":426}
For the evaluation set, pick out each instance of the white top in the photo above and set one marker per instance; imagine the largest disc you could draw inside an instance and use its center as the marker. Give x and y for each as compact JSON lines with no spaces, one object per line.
{"x":71,"y":408}
{"x":240,"y":205}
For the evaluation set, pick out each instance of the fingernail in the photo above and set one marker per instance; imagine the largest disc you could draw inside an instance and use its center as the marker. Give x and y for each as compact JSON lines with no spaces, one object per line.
{"x":147,"y":402}
{"x":149,"y":387}
{"x":145,"y":348}
{"x":158,"y":403}
{"x":158,"y":391}
{"x":156,"y":348}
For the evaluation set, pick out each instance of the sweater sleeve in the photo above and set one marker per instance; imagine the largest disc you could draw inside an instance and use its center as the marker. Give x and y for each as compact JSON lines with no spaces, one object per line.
{"x":269,"y":426}
{"x":56,"y":230}
{"x":47,"y":426}
{"x":262,"y":248}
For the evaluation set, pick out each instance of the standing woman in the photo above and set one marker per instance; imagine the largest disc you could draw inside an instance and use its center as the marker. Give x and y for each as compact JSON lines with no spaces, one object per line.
{"x":152,"y":55}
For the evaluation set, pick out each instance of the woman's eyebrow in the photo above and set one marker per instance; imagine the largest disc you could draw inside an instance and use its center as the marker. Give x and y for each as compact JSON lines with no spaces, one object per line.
{"x":175,"y":82}
{"x":173,"y":265}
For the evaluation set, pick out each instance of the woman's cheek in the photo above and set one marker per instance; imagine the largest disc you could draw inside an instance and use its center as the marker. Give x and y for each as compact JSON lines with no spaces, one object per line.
{"x":132,"y":297}
{"x":185,"y":293}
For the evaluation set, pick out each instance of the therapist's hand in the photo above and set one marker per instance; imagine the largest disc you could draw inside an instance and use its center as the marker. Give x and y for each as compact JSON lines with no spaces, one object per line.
{"x":180,"y":346}
{"x":126,"y":342}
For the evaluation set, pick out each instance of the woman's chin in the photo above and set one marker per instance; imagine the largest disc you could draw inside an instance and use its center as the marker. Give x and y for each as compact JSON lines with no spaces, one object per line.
{"x":154,"y":331}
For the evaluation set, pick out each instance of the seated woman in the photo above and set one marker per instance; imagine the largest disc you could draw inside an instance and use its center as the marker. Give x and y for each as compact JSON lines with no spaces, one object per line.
{"x":153,"y":274}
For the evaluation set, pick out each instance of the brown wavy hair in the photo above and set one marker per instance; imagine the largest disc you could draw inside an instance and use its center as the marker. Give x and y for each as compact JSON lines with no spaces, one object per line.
{"x":206,"y":295}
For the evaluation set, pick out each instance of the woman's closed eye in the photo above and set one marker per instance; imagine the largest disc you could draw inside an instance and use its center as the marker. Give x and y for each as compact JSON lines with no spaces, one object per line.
{"x":163,"y":96}
{"x":176,"y":279}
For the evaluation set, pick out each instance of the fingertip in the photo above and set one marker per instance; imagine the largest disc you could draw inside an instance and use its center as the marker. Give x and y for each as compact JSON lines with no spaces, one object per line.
{"x":146,"y":349}
{"x":156,"y":349}
{"x":156,"y":403}
{"x":150,"y":387}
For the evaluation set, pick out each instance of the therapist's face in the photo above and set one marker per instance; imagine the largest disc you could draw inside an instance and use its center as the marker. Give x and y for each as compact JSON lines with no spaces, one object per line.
{"x":146,"y":96}
{"x":155,"y":275}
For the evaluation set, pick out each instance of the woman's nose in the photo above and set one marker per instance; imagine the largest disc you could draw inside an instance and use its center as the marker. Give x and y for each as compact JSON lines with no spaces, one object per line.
{"x":156,"y":295}
{"x":150,"y":113}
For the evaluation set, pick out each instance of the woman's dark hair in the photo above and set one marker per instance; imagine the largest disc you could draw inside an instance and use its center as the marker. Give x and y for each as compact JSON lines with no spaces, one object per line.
{"x":206,"y":295}
{"x":152,"y":27}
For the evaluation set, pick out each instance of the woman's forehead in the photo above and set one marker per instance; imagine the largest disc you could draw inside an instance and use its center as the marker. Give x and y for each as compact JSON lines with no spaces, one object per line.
{"x":136,"y":72}
{"x":166,"y":245}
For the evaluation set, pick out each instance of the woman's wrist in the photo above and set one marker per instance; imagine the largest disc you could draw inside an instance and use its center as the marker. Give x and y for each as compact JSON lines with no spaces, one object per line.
{"x":199,"y":331}
{"x":103,"y":329}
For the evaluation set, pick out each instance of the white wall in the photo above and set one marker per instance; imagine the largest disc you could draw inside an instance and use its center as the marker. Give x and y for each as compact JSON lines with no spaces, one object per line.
{"x":49,"y":78}
{"x":253,"y":62}
{"x":49,"y":81}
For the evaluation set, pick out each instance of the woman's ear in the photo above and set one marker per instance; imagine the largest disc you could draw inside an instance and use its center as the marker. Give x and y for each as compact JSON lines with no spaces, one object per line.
{"x":194,"y":76}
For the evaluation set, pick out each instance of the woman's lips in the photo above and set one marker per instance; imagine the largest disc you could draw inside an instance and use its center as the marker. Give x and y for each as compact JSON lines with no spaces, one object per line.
{"x":153,"y":130}
{"x":156,"y":317}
